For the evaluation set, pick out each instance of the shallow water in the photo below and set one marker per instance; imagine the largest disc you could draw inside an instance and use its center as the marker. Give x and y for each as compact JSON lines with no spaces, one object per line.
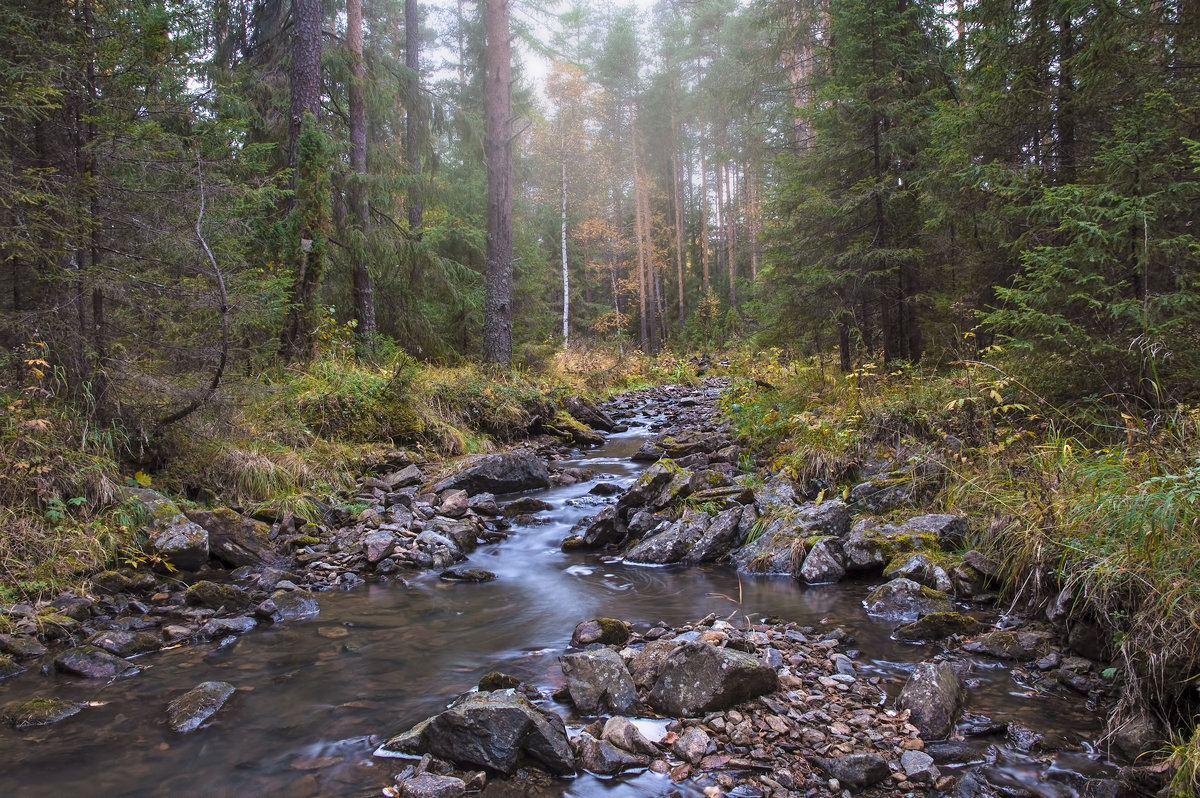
{"x":316,"y":697}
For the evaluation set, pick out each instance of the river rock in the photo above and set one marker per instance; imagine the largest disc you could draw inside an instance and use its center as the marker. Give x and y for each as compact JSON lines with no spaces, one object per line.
{"x":932,"y":694}
{"x":89,"y":662}
{"x":938,"y":626}
{"x":431,"y":785}
{"x":699,"y":677}
{"x":125,"y":643}
{"x":491,"y":730}
{"x":225,"y":627}
{"x":288,"y":605}
{"x":672,"y":544}
{"x":483,"y":504}
{"x":586,"y":412}
{"x":234,"y":539}
{"x":467,"y":575}
{"x":454,"y":504}
{"x":650,"y":661}
{"x":919,"y":768}
{"x":920,"y":567}
{"x":823,"y":563}
{"x":621,"y":732}
{"x":692,"y":745}
{"x":609,"y":631}
{"x":186,"y":713}
{"x":436,"y":551}
{"x":855,"y":770}
{"x":1012,"y":644}
{"x":8,"y":667}
{"x":780,"y":546}
{"x":905,"y":600}
{"x":179,"y":541}
{"x":655,"y":487}
{"x":718,"y":539}
{"x":216,"y":596}
{"x":870,"y":547}
{"x":21,"y":648}
{"x":39,"y":712}
{"x":462,"y":531}
{"x":604,"y":758}
{"x":607,"y":529}
{"x":598,"y":681}
{"x":378,"y":544}
{"x":506,"y":472}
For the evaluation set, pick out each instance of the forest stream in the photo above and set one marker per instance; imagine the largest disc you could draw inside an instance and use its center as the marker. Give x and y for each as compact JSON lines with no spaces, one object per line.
{"x":315,"y":698}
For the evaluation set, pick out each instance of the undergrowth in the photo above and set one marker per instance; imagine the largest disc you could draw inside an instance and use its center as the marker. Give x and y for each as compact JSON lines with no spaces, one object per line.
{"x":1086,"y":499}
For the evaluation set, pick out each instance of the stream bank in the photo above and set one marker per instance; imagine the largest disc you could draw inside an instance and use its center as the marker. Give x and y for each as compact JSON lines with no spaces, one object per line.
{"x":423,"y":614}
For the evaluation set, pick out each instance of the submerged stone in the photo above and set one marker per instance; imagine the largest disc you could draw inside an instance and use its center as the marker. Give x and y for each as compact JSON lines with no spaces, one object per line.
{"x":39,"y":712}
{"x":186,"y":713}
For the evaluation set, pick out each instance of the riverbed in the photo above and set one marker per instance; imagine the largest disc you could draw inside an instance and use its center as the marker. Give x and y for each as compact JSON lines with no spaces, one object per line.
{"x":315,"y":698}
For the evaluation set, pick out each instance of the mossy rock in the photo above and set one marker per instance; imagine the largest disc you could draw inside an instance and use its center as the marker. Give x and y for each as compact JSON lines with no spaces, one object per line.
{"x":495,"y":680}
{"x":567,"y":428}
{"x":39,"y":712}
{"x":607,"y":631}
{"x":216,"y":596}
{"x":938,"y":626}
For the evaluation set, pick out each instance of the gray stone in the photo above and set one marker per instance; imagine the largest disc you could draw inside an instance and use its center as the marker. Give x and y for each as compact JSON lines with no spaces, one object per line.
{"x":89,"y":662}
{"x":39,"y":712}
{"x":1012,"y":644}
{"x":649,"y":662}
{"x":467,"y":575}
{"x":484,"y":504}
{"x":216,"y":596}
{"x":21,"y":648}
{"x":9,"y":668}
{"x":779,"y":548}
{"x":598,"y":681}
{"x":621,"y":732}
{"x":604,"y":758}
{"x":905,"y":600}
{"x":855,"y":770}
{"x":699,"y":677}
{"x":950,"y":530}
{"x":431,"y":785}
{"x":932,"y":695}
{"x":719,"y":537}
{"x":670,"y":545}
{"x":436,"y":550}
{"x":869,"y":548}
{"x":288,"y":605}
{"x":649,"y":488}
{"x":454,"y":504}
{"x":919,"y":767}
{"x":378,"y":544}
{"x":462,"y":531}
{"x":224,"y":627}
{"x":125,"y":643}
{"x":606,"y":529}
{"x":586,"y":412}
{"x":920,"y":567}
{"x":181,"y":542}
{"x":823,"y":563}
{"x":492,"y":731}
{"x":692,"y":745}
{"x":190,"y":710}
{"x":609,"y":631}
{"x":507,"y":472}
{"x":234,"y":539}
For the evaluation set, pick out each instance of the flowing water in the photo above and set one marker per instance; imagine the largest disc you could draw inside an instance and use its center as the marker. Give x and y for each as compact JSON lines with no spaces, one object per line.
{"x":316,"y":697}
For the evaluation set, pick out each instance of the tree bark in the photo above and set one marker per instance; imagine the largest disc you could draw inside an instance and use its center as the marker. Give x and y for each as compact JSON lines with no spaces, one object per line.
{"x":364,"y":295}
{"x":497,"y":304}
{"x":414,"y":118}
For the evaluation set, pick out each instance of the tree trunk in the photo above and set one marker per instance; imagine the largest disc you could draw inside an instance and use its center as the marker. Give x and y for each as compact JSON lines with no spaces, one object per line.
{"x":364,"y":295}
{"x":497,"y":304}
{"x":308,"y":195}
{"x":705,"y":263}
{"x":414,"y":116}
{"x":566,"y":276}
{"x":678,"y":202}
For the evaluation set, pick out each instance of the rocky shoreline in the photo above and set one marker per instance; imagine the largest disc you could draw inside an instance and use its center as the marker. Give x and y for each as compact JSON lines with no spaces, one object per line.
{"x":813,"y":724}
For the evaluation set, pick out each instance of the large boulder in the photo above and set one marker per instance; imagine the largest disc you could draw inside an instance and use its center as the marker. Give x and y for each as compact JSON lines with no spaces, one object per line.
{"x":869,"y":547}
{"x":598,"y":681}
{"x":604,"y":758}
{"x":699,"y":677}
{"x":234,"y":539}
{"x":720,"y":536}
{"x":672,"y":544}
{"x":173,"y":537}
{"x":90,"y":662}
{"x":658,"y":486}
{"x":507,"y":472}
{"x":780,"y":547}
{"x":493,"y":731}
{"x":586,"y":412}
{"x":216,"y":596}
{"x":905,"y":600}
{"x":824,"y":562}
{"x":932,"y":695}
